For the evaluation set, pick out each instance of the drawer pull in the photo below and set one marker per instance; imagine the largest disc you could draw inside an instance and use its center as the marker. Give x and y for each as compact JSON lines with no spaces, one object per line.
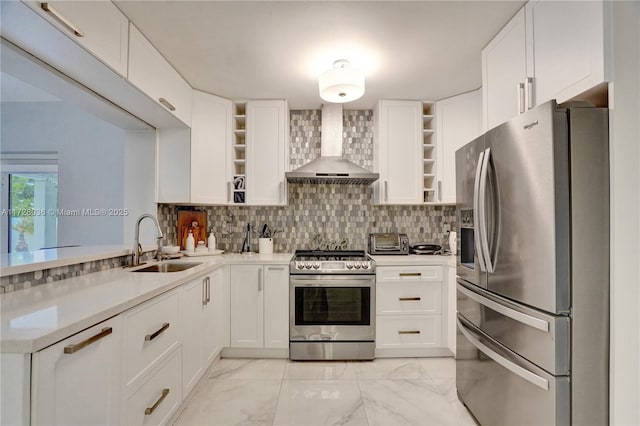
{"x":150,"y":410}
{"x":411,"y":274}
{"x":75,"y":348}
{"x":409,"y":332}
{"x":406,"y":299}
{"x":64,"y":21}
{"x":150,"y":337}
{"x":167,"y":104}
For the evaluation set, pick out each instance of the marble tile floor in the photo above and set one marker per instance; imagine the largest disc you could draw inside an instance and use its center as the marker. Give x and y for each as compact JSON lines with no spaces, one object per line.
{"x":384,"y":392}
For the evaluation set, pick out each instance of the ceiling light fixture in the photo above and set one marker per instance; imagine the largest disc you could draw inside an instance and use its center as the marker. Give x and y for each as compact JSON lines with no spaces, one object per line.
{"x":342,"y":83}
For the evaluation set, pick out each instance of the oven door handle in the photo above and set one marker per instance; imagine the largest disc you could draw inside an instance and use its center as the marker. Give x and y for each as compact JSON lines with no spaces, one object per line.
{"x":330,"y":281}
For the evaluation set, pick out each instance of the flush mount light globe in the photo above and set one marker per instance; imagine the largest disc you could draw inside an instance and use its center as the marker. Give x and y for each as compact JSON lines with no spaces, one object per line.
{"x":341,"y":83}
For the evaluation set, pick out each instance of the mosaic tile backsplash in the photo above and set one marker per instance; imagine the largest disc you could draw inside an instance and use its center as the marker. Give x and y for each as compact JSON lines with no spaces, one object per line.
{"x":335,"y":212}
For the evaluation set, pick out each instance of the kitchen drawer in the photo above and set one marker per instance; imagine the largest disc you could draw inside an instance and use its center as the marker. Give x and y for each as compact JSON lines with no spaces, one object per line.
{"x":408,"y":273}
{"x":150,"y":330}
{"x":411,"y":297}
{"x":415,"y":331}
{"x":155,"y":400}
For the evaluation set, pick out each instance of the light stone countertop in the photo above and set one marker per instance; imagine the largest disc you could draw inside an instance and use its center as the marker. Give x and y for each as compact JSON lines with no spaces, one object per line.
{"x":34,"y":318}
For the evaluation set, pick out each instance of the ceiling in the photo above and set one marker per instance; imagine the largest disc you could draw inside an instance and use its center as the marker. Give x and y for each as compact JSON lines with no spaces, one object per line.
{"x":425,"y":50}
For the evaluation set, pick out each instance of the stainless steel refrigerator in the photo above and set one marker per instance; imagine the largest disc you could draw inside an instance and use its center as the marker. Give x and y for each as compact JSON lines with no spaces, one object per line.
{"x":533,"y":269}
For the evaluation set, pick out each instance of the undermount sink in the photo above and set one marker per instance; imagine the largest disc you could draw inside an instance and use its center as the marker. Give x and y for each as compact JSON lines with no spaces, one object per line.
{"x":168,"y":267}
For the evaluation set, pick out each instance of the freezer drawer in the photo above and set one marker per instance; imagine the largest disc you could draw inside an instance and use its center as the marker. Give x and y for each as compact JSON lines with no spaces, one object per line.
{"x":501,"y":388}
{"x":541,"y":338}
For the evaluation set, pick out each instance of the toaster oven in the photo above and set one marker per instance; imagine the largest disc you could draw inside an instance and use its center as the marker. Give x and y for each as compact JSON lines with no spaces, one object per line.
{"x":392,"y":243}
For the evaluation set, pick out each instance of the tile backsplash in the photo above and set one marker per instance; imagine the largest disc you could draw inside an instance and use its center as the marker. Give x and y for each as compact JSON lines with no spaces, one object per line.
{"x":335,"y":212}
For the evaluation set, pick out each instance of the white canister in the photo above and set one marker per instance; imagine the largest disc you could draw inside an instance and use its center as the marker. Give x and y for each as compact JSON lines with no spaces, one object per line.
{"x":453,"y":241}
{"x":265,"y":245}
{"x":190,"y":246}
{"x":211,"y":242}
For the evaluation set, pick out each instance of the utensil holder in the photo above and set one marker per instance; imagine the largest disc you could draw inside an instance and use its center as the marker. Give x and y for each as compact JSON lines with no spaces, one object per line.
{"x":265,"y":245}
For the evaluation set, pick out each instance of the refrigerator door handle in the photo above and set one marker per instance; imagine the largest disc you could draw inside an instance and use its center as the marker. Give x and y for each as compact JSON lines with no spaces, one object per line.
{"x":507,"y":312}
{"x":476,"y":213}
{"x":482,"y":209}
{"x":530,"y":377}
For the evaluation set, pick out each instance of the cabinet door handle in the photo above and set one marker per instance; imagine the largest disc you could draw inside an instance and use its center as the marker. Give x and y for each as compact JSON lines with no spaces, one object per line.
{"x":408,"y":331}
{"x":281,"y":191}
{"x":260,"y":280}
{"x":150,"y":410}
{"x":386,"y":191}
{"x":229,"y":191}
{"x":529,"y":92}
{"x":410,"y":274}
{"x":76,"y":347}
{"x":521,"y":97}
{"x":406,"y":299}
{"x":208,"y":289}
{"x":204,"y":291}
{"x":167,"y":104}
{"x":275,"y":268}
{"x":150,"y":337}
{"x":439,"y":190}
{"x":64,"y":21}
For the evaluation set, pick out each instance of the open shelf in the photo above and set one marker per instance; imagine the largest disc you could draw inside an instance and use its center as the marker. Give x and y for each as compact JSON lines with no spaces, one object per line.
{"x":430,"y":151}
{"x":239,"y":152}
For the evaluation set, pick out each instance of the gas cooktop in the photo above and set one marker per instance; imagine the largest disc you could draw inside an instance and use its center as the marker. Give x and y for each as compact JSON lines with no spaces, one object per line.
{"x":331,"y":262}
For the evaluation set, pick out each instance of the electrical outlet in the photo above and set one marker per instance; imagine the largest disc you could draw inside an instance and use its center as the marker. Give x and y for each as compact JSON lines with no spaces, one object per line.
{"x":446,"y":227}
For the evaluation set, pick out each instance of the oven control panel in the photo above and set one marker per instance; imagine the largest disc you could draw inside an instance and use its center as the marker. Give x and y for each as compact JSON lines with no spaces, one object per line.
{"x":332,"y":266}
{"x":342,"y":262}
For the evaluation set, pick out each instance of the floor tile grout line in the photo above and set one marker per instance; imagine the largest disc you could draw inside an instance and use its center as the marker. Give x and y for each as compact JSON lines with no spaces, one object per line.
{"x":364,"y":406}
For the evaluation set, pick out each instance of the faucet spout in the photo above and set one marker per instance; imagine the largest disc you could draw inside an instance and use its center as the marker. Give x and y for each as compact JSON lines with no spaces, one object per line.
{"x":137,"y":248}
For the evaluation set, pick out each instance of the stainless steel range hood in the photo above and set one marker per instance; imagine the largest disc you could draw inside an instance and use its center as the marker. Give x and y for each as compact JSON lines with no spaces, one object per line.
{"x":331,"y":167}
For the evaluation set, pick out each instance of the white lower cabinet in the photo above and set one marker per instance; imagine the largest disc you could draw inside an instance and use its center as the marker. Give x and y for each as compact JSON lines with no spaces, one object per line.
{"x":276,"y":306}
{"x":409,"y":311}
{"x":409,"y":331}
{"x":202,"y":323}
{"x":151,"y":330}
{"x":259,"y":306}
{"x":193,"y":301}
{"x":155,"y":398}
{"x":77,"y":380}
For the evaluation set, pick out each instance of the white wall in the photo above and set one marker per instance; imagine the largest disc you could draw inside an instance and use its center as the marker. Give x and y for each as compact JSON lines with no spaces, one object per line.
{"x":139,"y":189}
{"x":624,"y":106}
{"x":91,"y":165}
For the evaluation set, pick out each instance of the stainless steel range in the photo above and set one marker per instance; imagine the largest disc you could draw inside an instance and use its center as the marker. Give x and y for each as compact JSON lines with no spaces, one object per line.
{"x":332,"y":305}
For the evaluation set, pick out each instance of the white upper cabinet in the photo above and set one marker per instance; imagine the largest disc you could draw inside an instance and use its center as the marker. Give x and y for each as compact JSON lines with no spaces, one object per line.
{"x":565,"y":48}
{"x":210,"y":142}
{"x":267,"y":152}
{"x":504,"y":68}
{"x":398,"y":152}
{"x":459,"y":122}
{"x":193,"y":164}
{"x":97,"y":25}
{"x":549,"y":50}
{"x":151,"y":73}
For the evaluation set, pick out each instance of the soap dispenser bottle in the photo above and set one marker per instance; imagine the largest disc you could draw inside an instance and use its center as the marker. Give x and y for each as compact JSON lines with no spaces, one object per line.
{"x":211,"y":241}
{"x":190,"y":246}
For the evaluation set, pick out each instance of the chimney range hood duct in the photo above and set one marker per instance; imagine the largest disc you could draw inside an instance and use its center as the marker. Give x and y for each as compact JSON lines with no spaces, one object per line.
{"x":331,"y":167}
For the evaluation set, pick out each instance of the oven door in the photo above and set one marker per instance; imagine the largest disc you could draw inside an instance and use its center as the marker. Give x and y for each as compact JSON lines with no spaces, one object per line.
{"x":332,"y":308}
